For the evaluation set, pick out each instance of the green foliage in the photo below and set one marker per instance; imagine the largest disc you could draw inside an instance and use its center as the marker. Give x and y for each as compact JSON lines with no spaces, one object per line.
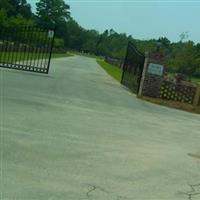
{"x":52,"y":12}
{"x":165,"y":42}
{"x":89,"y":41}
{"x":185,"y":58}
{"x":184,"y":36}
{"x":74,"y":35}
{"x":59,"y":43}
{"x":19,"y":20}
{"x":3,"y":17}
{"x":15,"y":13}
{"x":7,"y":7}
{"x":16,"y":7}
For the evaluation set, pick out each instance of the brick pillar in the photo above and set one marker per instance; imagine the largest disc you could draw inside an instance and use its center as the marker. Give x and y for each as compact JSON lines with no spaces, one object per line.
{"x":151,"y":83}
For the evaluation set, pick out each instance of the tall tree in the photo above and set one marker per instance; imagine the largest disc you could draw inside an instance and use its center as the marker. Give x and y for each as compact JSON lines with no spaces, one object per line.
{"x":52,"y":12}
{"x":16,"y":7}
{"x":24,"y":9}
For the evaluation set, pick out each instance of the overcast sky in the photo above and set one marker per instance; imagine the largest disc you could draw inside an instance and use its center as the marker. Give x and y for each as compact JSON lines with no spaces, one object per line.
{"x":141,"y":19}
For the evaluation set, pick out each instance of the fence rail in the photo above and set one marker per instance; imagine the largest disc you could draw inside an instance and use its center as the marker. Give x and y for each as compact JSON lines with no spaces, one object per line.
{"x":114,"y":61}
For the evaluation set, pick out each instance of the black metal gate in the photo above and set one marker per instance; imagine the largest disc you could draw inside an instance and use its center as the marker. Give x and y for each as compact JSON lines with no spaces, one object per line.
{"x":132,"y":68}
{"x":27,"y":48}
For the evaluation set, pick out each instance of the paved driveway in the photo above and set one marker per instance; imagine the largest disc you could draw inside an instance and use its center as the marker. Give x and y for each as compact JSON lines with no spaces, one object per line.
{"x":77,"y":134}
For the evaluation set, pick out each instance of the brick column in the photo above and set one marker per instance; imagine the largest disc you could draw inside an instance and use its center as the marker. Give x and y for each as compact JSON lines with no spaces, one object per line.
{"x":151,"y":83}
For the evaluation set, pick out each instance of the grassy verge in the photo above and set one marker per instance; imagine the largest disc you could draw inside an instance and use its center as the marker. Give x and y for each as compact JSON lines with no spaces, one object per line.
{"x":173,"y":104}
{"x":15,"y":56}
{"x":196,"y":80}
{"x":112,"y":70}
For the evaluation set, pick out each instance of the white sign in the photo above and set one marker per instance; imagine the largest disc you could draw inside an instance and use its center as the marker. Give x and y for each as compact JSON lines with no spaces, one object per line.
{"x":155,"y":69}
{"x":51,"y":34}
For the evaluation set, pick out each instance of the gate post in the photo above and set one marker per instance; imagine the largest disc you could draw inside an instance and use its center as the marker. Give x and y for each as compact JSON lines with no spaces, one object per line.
{"x":124,"y":63}
{"x":197,"y":97}
{"x":51,"y":48}
{"x":143,"y":73}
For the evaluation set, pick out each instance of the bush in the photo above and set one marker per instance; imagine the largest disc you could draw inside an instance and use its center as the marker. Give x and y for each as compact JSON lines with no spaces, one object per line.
{"x":59,"y":43}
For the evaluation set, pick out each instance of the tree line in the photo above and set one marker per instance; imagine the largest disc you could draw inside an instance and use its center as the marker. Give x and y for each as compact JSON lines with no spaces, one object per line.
{"x":182,"y":56}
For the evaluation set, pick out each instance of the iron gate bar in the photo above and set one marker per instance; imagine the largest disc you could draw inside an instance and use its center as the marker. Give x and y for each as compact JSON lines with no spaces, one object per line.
{"x":26,"y":48}
{"x":43,"y":55}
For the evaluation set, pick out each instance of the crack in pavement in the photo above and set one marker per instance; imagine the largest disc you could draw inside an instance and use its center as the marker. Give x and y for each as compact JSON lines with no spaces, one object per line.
{"x":195,"y":190}
{"x":94,"y":188}
{"x":121,"y":198}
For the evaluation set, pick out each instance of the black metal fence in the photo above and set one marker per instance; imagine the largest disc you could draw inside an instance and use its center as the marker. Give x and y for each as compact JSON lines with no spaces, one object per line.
{"x":114,"y":61}
{"x":26,"y":48}
{"x":132,"y":68}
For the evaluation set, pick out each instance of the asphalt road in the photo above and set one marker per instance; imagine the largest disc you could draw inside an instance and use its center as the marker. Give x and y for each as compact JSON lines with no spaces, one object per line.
{"x":77,"y":134}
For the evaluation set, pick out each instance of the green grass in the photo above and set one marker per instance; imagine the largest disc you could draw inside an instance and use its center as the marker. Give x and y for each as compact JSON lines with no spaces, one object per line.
{"x":196,"y":80}
{"x":16,"y":56}
{"x":112,"y":70}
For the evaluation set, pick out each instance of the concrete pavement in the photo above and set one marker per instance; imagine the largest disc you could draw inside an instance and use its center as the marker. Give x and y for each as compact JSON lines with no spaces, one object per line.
{"x":77,"y":134}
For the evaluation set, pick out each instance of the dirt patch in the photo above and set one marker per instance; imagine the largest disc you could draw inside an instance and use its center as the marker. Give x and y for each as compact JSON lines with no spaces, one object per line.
{"x":173,"y":104}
